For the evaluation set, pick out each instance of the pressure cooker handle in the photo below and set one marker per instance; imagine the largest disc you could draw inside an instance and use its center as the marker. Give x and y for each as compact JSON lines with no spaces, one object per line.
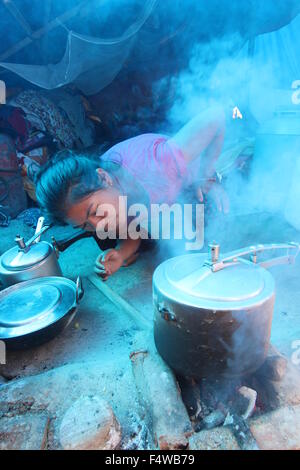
{"x":289,"y":258}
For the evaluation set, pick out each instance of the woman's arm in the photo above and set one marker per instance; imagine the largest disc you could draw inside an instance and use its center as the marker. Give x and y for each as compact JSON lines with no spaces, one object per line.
{"x":201,"y":141}
{"x":128,"y":249}
{"x":203,"y":138}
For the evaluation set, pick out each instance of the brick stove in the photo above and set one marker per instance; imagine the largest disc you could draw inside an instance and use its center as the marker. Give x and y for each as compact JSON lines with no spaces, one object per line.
{"x":260,"y":411}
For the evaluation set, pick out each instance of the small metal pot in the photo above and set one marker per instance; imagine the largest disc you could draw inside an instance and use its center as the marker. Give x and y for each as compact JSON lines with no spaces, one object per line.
{"x":35,"y":311}
{"x":35,"y":258}
{"x":213,"y":316}
{"x":29,"y":260}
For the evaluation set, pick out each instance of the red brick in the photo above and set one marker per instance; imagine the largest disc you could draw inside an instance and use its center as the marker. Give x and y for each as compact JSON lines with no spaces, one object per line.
{"x":288,"y":390}
{"x":220,"y":438}
{"x":24,"y":432}
{"x":279,"y":430}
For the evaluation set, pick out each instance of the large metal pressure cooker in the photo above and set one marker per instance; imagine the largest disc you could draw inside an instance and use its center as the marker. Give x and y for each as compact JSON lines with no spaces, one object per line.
{"x":213,"y":314}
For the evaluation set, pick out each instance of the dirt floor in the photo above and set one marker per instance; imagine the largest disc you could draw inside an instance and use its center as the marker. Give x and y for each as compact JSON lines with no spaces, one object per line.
{"x":99,"y":323}
{"x":103,"y":334}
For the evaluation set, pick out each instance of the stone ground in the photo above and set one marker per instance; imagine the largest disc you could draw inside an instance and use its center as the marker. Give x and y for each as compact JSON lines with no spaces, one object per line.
{"x":94,"y":350}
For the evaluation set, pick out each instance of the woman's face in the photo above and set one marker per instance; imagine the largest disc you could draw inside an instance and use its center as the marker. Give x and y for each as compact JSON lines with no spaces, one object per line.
{"x":91,"y":210}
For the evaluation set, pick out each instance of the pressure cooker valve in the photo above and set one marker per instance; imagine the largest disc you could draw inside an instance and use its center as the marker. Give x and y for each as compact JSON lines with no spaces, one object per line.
{"x":214,"y":252}
{"x":20,"y":242}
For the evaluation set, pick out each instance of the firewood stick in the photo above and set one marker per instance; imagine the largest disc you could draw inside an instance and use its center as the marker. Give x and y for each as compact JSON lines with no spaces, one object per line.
{"x":160,"y":396}
{"x":275,"y":366}
{"x":141,"y":322}
{"x":272,"y":392}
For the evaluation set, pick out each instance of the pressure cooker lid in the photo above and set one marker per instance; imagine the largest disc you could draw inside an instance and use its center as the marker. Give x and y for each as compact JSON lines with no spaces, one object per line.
{"x":33,"y":305}
{"x":17,"y":260}
{"x":189,"y":280}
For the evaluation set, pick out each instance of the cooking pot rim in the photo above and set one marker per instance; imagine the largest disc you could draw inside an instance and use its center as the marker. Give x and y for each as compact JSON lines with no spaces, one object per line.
{"x":71,"y":304}
{"x":167,"y":299}
{"x":166,"y":289}
{"x":5,"y":268}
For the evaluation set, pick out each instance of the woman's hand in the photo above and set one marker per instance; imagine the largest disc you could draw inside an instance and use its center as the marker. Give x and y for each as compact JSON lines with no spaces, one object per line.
{"x":217,"y":195}
{"x":108,"y":263}
{"x":111,"y":261}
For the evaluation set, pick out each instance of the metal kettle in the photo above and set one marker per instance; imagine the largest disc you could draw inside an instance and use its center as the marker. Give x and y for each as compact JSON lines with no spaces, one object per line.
{"x":29,"y":260}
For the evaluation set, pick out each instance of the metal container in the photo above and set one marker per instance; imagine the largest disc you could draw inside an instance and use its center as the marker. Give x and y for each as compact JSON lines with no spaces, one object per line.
{"x":213,"y":316}
{"x":35,"y":258}
{"x":29,"y":260}
{"x":35,"y":311}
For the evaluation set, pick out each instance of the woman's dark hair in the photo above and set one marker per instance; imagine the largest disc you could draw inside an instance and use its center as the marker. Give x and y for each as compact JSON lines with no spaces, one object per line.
{"x":66,"y":178}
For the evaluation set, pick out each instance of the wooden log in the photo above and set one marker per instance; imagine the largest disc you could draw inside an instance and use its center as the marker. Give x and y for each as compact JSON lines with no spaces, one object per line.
{"x":273,"y":394}
{"x":190,"y":392}
{"x":160,"y":396}
{"x":274,"y":368}
{"x":241,"y":431}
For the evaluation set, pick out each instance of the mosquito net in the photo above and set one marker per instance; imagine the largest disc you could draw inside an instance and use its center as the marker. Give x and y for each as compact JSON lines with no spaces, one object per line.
{"x":89,"y":62}
{"x":91,"y":59}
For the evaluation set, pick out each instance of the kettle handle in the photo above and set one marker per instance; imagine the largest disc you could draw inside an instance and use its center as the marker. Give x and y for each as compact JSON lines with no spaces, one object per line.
{"x":39,"y":227}
{"x":26,"y":246}
{"x":289,"y":258}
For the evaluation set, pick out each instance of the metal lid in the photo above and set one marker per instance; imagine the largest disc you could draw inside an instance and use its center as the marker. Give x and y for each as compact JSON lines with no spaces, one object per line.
{"x":17,"y":260}
{"x":189,"y":280}
{"x":33,"y":305}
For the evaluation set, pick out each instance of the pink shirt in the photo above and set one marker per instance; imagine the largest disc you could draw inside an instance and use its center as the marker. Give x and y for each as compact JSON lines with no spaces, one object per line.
{"x":155,"y":163}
